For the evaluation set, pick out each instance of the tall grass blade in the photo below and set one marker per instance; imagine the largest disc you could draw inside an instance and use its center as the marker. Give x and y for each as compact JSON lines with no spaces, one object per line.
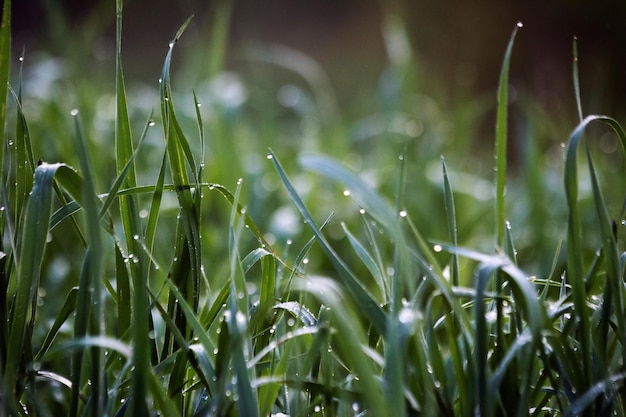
{"x":130,"y":224}
{"x":451,"y":218}
{"x":575,"y":78}
{"x":89,"y":312}
{"x":179,"y":155}
{"x":501,"y":137}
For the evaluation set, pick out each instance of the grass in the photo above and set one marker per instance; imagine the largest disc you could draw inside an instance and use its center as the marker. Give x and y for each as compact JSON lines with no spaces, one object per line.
{"x":179,"y":283}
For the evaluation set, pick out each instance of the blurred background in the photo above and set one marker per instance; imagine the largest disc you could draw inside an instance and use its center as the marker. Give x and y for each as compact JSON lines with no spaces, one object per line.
{"x":461,"y":42}
{"x":358,"y":80}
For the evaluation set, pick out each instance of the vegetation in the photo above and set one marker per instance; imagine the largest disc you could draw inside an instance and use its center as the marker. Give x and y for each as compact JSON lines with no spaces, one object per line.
{"x":172,"y":276}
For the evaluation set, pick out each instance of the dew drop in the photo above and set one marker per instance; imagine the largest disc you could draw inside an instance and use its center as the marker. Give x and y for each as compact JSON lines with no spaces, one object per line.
{"x":239,"y":181}
{"x":346,"y":193}
{"x":270,"y":156}
{"x":74,"y":112}
{"x":362,"y":211}
{"x":305,"y":261}
{"x":171,"y":44}
{"x":520,"y":24}
{"x":403,"y":213}
{"x":437,"y":248}
{"x":289,"y":242}
{"x":151,"y":123}
{"x":21,"y":58}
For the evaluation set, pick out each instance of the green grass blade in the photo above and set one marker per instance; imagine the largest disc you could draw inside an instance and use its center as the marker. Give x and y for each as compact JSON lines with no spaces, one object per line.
{"x":367,"y":259}
{"x":575,"y":273}
{"x":179,"y":155}
{"x":371,"y":309}
{"x":612,"y":257}
{"x":123,"y":135}
{"x":68,"y":308}
{"x":24,"y":167}
{"x":33,"y":238}
{"x":89,"y":303}
{"x":501,"y":137}
{"x":451,"y":217}
{"x":483,"y":375}
{"x":576,"y":80}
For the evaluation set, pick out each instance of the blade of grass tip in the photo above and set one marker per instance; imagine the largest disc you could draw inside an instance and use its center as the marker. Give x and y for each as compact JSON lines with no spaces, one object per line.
{"x":33,"y":237}
{"x":451,"y":217}
{"x":501,"y":136}
{"x":123,"y":135}
{"x":179,"y":152}
{"x":574,"y":244}
{"x":575,"y":78}
{"x":24,"y":165}
{"x":5,"y":65}
{"x":371,"y":309}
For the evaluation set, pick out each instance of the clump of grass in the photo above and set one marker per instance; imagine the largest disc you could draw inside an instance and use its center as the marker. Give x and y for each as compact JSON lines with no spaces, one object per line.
{"x":235,"y":325}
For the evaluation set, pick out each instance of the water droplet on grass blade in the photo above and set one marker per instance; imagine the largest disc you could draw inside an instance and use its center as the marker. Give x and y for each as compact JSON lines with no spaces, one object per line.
{"x":269,"y":156}
{"x":346,"y":193}
{"x":520,"y":24}
{"x":74,"y":112}
{"x":151,"y":123}
{"x":403,"y":213}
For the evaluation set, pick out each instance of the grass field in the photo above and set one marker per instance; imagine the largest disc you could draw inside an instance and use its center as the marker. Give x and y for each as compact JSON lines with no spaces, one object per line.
{"x":232,"y":251}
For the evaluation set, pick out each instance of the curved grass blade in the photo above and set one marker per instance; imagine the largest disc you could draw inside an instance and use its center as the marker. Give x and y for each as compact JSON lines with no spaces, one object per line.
{"x":575,"y":78}
{"x":32,"y":244}
{"x":575,"y":271}
{"x":612,"y":260}
{"x":179,"y":154}
{"x":370,"y":308}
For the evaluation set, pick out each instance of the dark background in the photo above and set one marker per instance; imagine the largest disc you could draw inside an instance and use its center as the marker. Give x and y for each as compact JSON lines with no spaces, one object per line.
{"x":463,"y":42}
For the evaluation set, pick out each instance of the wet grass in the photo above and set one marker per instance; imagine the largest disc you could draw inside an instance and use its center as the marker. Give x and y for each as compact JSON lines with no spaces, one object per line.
{"x":224,"y":271}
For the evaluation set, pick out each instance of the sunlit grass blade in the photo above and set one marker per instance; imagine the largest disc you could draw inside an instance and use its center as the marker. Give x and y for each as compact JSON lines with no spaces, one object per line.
{"x":370,"y":307}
